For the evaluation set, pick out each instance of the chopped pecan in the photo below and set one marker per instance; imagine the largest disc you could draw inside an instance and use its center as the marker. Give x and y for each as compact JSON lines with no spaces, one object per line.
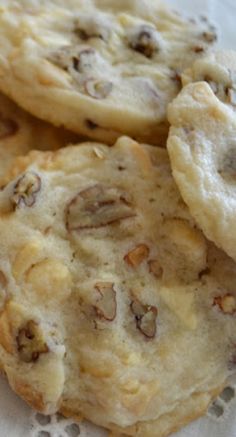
{"x":26,"y":189}
{"x":144,"y":40}
{"x":30,"y":342}
{"x":198,"y":49}
{"x":70,"y":59}
{"x":87,"y":27}
{"x":97,"y":206}
{"x":137,"y":255}
{"x":145,"y":316}
{"x":209,"y":37}
{"x":98,"y":89}
{"x":226,"y":303}
{"x":155,"y":268}
{"x":106,"y":302}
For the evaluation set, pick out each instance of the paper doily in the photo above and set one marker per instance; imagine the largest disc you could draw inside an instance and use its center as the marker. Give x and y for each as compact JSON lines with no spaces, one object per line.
{"x":58,"y":426}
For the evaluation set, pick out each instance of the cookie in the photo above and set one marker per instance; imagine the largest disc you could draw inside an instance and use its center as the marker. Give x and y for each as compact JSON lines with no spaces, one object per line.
{"x":219,"y":71}
{"x":99,"y":68}
{"x":21,"y":132}
{"x":202,"y":149}
{"x":110,"y":294}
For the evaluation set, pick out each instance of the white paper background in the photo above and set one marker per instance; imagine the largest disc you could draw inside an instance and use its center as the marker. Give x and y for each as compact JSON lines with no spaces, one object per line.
{"x":16,"y":418}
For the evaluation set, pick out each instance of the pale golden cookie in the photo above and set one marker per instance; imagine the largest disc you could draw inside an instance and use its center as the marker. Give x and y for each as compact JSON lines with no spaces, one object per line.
{"x":101,"y":68}
{"x":202,"y":150}
{"x":20,"y":132}
{"x":110,"y":294}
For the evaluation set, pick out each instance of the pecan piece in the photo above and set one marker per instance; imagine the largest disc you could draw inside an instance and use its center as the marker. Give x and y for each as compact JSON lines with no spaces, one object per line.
{"x":8,"y":127}
{"x":137,"y":255}
{"x":155,"y":268}
{"x":97,"y":206}
{"x":145,"y":316}
{"x":70,"y":59}
{"x":209,"y":37}
{"x":198,"y":49}
{"x":87,"y":27}
{"x":98,"y":89}
{"x":144,"y":40}
{"x":30,"y":342}
{"x":26,"y":189}
{"x":106,"y":301}
{"x":226,"y":303}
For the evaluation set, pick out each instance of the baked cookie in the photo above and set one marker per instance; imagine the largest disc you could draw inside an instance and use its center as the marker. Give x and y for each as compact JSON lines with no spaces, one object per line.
{"x":202,"y":150}
{"x":99,"y":67}
{"x":219,"y":71}
{"x":20,"y":133}
{"x":110,"y":294}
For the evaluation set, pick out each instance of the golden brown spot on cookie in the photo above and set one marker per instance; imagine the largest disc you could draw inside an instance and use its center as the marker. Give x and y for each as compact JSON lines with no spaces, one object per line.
{"x":98,"y":206}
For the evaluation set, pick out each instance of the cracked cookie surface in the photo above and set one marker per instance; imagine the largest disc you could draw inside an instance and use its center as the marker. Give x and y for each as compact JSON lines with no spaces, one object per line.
{"x":106,"y":286}
{"x":99,"y":68}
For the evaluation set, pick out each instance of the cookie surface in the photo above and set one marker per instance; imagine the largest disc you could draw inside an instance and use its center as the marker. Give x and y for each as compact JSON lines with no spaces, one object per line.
{"x":21,"y":132}
{"x":106,"y":285}
{"x":97,"y":67}
{"x":202,"y":149}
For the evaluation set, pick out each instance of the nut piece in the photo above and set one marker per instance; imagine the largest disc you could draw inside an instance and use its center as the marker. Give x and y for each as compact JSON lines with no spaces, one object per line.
{"x":87,"y":26}
{"x":136,"y":256}
{"x":155,"y":268}
{"x":106,"y":301}
{"x":30,"y":342}
{"x":145,"y":316}
{"x":209,"y":37}
{"x":97,"y":206}
{"x":70,"y":59}
{"x":25,"y":190}
{"x":198,"y":49}
{"x":98,"y":89}
{"x":144,"y":39}
{"x":226,"y":303}
{"x":8,"y":127}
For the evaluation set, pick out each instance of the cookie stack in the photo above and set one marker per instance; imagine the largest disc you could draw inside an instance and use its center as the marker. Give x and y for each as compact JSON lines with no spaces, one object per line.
{"x":117,"y":264}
